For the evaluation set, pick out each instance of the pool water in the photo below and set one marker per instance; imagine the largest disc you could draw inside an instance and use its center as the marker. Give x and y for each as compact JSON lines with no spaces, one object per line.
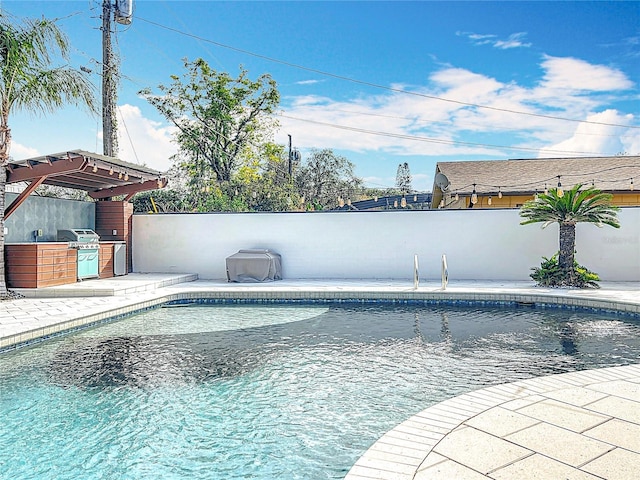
{"x":268,"y":392}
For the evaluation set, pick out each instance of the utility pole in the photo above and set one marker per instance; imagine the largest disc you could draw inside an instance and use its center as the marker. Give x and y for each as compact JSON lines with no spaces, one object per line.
{"x":294,"y":156}
{"x":290,"y":160}
{"x":109,"y":86}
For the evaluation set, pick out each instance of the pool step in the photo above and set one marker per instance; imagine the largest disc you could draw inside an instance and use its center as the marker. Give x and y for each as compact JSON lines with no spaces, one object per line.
{"x":106,"y":287}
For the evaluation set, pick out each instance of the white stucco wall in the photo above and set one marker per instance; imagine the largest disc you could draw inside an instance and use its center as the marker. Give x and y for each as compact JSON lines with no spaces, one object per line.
{"x":479,"y":244}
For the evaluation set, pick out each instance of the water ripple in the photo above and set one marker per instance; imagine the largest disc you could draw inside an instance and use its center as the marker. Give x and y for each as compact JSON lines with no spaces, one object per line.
{"x":264,"y":397}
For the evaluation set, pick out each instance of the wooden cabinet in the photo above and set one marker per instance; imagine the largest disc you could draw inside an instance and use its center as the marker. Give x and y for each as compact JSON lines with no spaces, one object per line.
{"x":108,"y":259}
{"x":35,"y":265}
{"x":47,"y":264}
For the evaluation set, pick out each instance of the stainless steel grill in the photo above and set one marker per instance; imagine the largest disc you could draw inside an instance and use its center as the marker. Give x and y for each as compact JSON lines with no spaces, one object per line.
{"x":80,"y":238}
{"x":86,"y":241}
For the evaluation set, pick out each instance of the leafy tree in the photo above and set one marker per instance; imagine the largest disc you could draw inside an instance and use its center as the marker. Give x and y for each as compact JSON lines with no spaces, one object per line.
{"x":218,"y":117}
{"x":167,"y":200}
{"x":325,"y":177}
{"x":29,"y":82}
{"x":275,"y":165}
{"x":574,"y":206}
{"x":370,"y":192}
{"x":264,"y":181}
{"x":62,"y":192}
{"x":260,"y":184}
{"x":403,"y":178}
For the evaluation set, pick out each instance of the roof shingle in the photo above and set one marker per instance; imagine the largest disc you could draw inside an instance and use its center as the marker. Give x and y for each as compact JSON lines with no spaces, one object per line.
{"x":608,"y":174}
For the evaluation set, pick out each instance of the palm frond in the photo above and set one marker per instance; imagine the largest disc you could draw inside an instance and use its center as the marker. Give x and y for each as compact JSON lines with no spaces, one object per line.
{"x":575,"y":206}
{"x":28,"y":81}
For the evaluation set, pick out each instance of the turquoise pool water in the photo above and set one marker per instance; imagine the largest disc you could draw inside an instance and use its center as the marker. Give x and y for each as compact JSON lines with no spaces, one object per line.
{"x":268,"y":392}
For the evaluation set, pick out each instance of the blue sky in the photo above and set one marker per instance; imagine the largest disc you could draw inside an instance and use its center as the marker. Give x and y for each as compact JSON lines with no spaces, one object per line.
{"x":381,"y":83}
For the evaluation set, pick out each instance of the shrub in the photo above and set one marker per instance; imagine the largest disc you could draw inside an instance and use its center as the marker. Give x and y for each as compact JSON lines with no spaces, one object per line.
{"x":549,"y":274}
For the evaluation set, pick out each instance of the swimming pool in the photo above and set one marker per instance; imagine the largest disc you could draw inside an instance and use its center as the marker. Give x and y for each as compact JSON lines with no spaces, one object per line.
{"x":265,"y":392}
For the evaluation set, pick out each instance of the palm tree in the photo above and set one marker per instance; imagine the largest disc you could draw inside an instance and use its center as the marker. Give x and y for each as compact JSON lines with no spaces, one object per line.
{"x":30,"y":83}
{"x":567,"y":209}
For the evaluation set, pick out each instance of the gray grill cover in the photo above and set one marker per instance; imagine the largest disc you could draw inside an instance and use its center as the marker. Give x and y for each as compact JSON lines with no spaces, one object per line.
{"x":254,"y":266}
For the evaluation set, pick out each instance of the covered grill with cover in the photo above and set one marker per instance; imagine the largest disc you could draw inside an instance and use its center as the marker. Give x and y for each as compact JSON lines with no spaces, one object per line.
{"x":257,"y":265}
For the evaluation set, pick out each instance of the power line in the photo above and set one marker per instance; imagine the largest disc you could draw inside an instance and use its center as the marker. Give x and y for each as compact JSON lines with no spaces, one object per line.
{"x":401,"y":136}
{"x":550,"y":179}
{"x":383,"y":87}
{"x":427,"y":121}
{"x":433,"y":140}
{"x":128,"y":136}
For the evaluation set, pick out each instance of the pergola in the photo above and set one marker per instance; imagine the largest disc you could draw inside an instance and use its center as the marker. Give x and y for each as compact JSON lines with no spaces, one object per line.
{"x":100,"y":176}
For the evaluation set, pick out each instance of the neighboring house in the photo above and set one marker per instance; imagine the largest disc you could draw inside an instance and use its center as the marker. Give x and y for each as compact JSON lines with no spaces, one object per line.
{"x":409,"y":201}
{"x":510,"y":183}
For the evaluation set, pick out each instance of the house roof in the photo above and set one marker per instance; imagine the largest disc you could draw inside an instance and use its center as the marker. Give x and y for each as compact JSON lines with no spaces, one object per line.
{"x":386,"y":202}
{"x":526,"y":176}
{"x":100,"y":176}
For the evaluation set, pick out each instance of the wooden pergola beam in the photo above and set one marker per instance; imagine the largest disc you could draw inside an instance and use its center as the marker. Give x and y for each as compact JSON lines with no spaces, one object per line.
{"x":60,"y":167}
{"x":100,"y":176}
{"x":128,"y":190}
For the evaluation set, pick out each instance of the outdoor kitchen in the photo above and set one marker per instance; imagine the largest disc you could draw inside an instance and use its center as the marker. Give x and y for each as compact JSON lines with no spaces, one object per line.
{"x":78,"y":254}
{"x":56,"y":241}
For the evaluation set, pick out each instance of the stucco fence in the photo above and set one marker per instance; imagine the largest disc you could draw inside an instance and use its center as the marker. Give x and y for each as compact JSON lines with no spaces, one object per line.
{"x":478,"y":244}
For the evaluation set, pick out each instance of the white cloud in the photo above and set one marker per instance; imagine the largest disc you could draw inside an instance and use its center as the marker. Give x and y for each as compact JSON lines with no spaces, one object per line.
{"x":593,"y":138}
{"x":151,"y":140}
{"x":515,"y":40}
{"x":477,"y":36}
{"x":465,"y":86}
{"x":421,"y":181}
{"x":308,"y":82}
{"x":631,"y":142}
{"x":577,"y":75}
{"x":20,"y":152}
{"x":563,"y":91}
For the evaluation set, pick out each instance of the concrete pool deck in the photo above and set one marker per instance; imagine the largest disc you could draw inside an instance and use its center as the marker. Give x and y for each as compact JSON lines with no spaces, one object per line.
{"x":578,"y":425}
